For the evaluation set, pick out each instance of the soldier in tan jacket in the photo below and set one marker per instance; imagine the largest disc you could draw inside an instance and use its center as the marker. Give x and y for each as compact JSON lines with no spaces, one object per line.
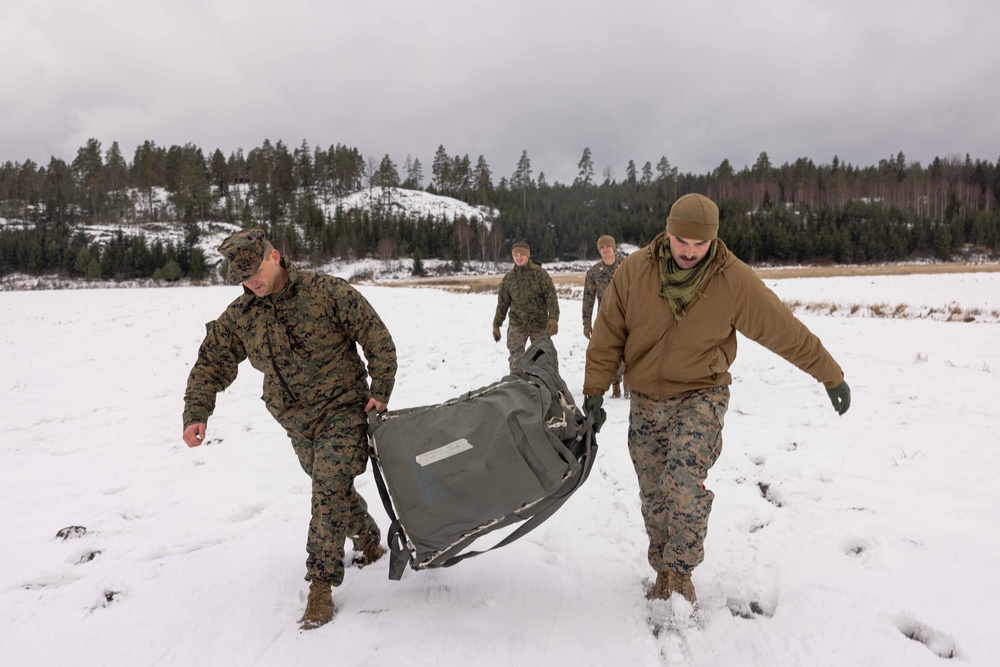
{"x":671,"y":312}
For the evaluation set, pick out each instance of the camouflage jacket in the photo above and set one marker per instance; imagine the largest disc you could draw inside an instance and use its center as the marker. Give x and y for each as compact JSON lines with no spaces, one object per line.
{"x":303,"y":340}
{"x":528,"y":293}
{"x":597,"y":280}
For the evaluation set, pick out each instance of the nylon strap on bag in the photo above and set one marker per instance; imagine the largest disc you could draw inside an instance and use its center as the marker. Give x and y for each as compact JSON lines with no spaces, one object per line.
{"x":399,"y":553}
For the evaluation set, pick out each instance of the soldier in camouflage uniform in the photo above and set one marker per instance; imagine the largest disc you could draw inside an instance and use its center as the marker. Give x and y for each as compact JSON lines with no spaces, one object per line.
{"x":672,"y":312}
{"x":301,"y":330}
{"x":596,"y":281}
{"x":528,"y":293}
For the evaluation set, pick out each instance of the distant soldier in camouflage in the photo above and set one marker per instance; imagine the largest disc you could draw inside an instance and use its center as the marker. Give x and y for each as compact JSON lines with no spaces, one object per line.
{"x":672,"y":312}
{"x":301,"y":330}
{"x":596,"y":281}
{"x":528,"y":293}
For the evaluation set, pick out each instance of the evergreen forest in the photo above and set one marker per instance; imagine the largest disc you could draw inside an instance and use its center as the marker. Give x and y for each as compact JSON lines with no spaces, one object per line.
{"x":800,"y":212}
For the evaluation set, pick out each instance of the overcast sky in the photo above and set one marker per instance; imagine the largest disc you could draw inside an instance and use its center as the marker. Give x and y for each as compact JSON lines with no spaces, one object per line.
{"x":697,"y":82}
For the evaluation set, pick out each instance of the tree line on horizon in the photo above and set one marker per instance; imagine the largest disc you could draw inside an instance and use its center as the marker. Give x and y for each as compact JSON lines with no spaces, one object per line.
{"x":795,"y":212}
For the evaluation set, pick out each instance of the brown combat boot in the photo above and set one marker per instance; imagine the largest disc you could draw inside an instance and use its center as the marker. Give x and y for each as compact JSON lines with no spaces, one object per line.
{"x":369,"y":550}
{"x":680,"y":582}
{"x":660,"y":590}
{"x":669,"y":582}
{"x":319,"y":606}
{"x":616,"y":390}
{"x":369,"y":554}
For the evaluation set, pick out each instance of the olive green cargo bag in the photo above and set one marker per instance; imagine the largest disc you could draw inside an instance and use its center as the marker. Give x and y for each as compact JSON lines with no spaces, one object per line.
{"x":508,"y":453}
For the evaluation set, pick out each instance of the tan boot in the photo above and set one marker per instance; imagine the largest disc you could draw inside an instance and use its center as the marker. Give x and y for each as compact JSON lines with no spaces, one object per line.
{"x":369,"y":555}
{"x":319,"y":606}
{"x":680,"y":582}
{"x":660,"y":590}
{"x":369,"y":549}
{"x":616,"y":390}
{"x":669,"y":582}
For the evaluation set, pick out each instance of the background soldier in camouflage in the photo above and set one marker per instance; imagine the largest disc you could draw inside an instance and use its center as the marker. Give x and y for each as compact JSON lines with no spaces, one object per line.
{"x":528,"y":293}
{"x":300,"y":329}
{"x":678,"y":304}
{"x":596,"y":281}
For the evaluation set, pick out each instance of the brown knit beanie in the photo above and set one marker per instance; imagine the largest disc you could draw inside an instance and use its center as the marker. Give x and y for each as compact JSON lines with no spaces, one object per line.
{"x":522,"y":246}
{"x":605,"y":240}
{"x":694,"y":217}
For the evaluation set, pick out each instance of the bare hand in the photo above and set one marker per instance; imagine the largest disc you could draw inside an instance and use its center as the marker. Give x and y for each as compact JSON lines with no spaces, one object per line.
{"x":194,"y":434}
{"x":372,"y":403}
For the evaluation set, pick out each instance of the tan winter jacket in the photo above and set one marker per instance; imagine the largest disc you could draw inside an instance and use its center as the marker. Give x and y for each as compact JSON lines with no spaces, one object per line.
{"x":665,"y":357}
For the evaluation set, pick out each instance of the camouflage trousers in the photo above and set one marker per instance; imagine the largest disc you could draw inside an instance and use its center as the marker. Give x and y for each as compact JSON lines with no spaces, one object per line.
{"x":332,"y":461}
{"x":673,"y":443}
{"x":619,"y":374}
{"x":517,"y":340}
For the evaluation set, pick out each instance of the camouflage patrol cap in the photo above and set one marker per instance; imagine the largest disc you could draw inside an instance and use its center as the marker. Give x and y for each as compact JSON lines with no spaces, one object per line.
{"x":244,"y":251}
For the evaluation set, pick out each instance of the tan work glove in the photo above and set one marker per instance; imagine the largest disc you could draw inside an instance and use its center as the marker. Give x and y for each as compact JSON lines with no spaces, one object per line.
{"x":552,"y":328}
{"x":496,"y":334}
{"x":587,"y":331}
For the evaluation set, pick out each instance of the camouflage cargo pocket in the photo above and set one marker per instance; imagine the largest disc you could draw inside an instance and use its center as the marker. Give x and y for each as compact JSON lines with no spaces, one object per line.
{"x":346,"y":448}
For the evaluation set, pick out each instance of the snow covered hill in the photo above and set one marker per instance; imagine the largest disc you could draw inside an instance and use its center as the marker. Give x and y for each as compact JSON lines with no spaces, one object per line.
{"x":412,"y":203}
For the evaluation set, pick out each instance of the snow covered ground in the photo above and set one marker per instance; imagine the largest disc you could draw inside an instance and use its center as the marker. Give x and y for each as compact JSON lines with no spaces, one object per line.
{"x":866,"y":539}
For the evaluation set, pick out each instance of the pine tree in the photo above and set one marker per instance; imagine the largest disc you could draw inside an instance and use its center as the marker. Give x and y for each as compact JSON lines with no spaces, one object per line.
{"x":414,"y":173}
{"x":440,"y":168}
{"x":418,"y":265}
{"x":522,"y":177}
{"x":386,"y":175}
{"x":483,"y":178}
{"x":586,"y":167}
{"x":88,"y":170}
{"x":116,"y":179}
{"x":82,"y":263}
{"x":647,"y":174}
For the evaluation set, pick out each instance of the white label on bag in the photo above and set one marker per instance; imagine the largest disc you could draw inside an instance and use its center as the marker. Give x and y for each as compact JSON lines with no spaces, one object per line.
{"x":443,"y":452}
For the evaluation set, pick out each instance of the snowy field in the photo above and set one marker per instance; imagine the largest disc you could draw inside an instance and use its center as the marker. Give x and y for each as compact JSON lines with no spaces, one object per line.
{"x":866,"y":539}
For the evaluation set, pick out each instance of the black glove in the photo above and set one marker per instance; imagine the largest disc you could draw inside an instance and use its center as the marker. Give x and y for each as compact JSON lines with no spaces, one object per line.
{"x":592,"y":406}
{"x":840,"y":396}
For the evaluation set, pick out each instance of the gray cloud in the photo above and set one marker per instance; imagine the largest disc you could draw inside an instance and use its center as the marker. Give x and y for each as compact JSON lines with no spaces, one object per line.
{"x":695,"y":82}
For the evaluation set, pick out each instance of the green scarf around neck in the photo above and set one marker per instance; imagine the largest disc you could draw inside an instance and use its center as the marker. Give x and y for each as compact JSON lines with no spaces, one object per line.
{"x":678,"y":286}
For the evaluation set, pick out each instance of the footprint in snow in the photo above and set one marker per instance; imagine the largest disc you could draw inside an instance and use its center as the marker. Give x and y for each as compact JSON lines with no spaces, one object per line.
{"x":84,"y":556}
{"x":109,"y":596}
{"x":750,"y":609}
{"x":938,"y":642}
{"x":770,"y":494}
{"x":71,"y":532}
{"x":247,"y":513}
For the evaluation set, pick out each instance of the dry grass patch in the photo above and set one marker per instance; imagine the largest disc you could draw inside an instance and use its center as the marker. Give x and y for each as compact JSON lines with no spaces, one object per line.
{"x":488,"y":283}
{"x":570,"y":286}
